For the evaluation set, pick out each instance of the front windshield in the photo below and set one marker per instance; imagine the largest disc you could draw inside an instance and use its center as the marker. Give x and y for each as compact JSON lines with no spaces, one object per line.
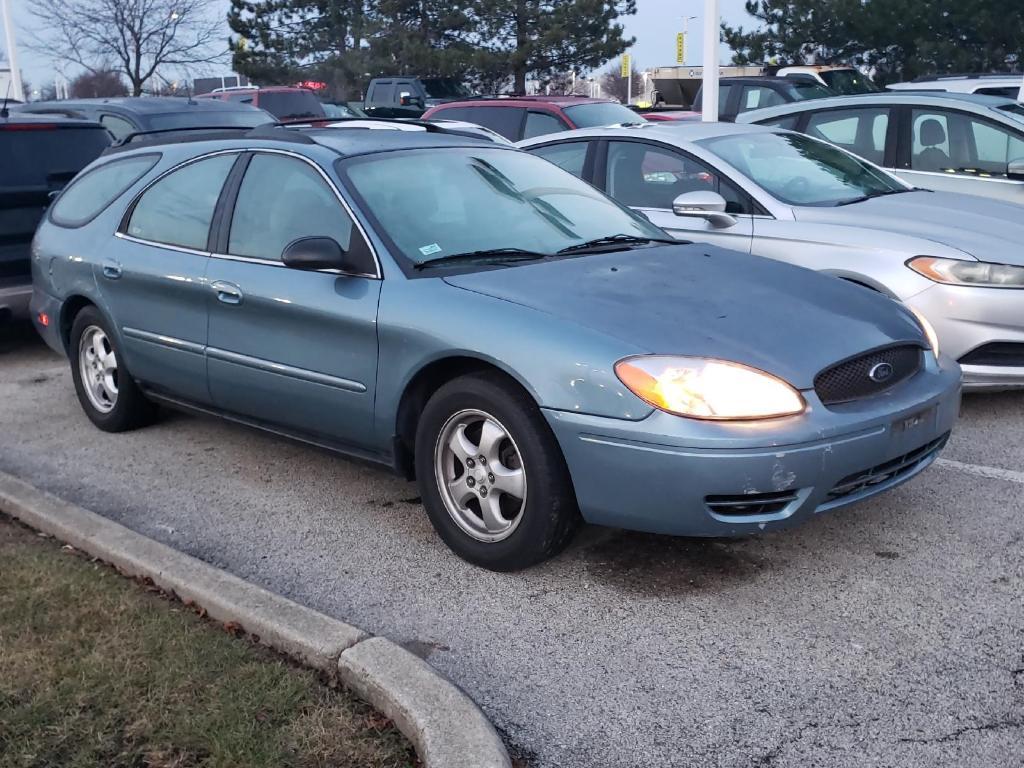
{"x":849,"y":82}
{"x":445,"y":88}
{"x":799,"y":170}
{"x":433,"y":203}
{"x":1015,"y":111}
{"x":602,"y":113}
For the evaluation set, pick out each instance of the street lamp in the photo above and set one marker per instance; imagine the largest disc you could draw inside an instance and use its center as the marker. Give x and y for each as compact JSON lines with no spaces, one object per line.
{"x":686,"y":35}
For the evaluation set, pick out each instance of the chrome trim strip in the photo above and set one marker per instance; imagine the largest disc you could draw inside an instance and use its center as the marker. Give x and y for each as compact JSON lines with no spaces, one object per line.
{"x":273,"y":263}
{"x":964,"y":176}
{"x":164,"y":341}
{"x":155,"y":244}
{"x":268,"y":366}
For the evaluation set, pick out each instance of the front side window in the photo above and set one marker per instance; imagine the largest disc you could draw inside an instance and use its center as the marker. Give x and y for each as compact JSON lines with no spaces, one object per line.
{"x":799,"y":170}
{"x":433,"y":203}
{"x":282,"y":199}
{"x":645,"y":176}
{"x":177,"y":209}
{"x":954,"y":142}
{"x":92,"y":192}
{"x":861,"y":131}
{"x":570,"y":156}
{"x":541,"y":124}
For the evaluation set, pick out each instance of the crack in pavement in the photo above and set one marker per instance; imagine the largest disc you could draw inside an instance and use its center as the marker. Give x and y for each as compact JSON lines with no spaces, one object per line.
{"x":1000,"y":725}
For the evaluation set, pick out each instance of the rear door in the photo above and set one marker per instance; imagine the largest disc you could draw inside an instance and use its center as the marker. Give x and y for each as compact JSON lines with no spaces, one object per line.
{"x":649,"y":177}
{"x":36,"y":159}
{"x":864,"y":131}
{"x":287,"y":347}
{"x":152,"y":276}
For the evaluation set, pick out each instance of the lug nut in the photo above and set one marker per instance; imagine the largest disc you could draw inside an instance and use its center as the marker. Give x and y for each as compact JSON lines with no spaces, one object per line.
{"x":470,"y":482}
{"x":483,"y":490}
{"x":483,"y":459}
{"x":470,"y":463}
{"x":490,"y":477}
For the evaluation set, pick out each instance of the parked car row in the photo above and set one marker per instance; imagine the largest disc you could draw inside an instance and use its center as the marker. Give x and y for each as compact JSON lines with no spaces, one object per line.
{"x":532,"y":351}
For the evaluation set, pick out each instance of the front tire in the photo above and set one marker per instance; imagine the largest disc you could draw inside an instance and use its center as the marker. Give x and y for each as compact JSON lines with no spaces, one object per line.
{"x":108,"y":394}
{"x":491,"y":475}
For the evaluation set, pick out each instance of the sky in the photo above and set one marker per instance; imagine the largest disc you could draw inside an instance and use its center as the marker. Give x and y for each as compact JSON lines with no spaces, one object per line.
{"x":654,"y":27}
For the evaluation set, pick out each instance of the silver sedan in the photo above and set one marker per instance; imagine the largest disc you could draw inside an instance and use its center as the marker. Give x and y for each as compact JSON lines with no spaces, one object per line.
{"x":955,"y":259}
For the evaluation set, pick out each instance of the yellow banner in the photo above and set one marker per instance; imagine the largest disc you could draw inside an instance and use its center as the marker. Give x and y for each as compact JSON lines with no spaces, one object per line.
{"x":680,"y":48}
{"x":626,"y":68}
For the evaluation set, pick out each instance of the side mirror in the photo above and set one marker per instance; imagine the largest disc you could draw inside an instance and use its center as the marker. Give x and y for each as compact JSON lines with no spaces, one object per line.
{"x":709,"y":206}
{"x":1016,"y":170}
{"x":406,"y":99}
{"x":312,"y":253}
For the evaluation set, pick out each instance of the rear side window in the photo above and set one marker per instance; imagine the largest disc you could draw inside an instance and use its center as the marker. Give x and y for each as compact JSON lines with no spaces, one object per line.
{"x":507,"y":121}
{"x":570,"y":156}
{"x":44,"y":157}
{"x":542,"y":123}
{"x":282,"y":199}
{"x":177,"y":209}
{"x":290,"y":105}
{"x":117,"y":125}
{"x":92,"y":192}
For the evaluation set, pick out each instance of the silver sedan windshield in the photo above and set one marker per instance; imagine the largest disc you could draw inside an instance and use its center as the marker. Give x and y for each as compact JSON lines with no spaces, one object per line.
{"x":435,"y":203}
{"x":799,"y":170}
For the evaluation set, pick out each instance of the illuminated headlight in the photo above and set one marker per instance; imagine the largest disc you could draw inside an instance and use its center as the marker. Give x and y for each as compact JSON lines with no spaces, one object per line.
{"x":708,"y":389}
{"x":929,"y":331}
{"x":977,"y":273}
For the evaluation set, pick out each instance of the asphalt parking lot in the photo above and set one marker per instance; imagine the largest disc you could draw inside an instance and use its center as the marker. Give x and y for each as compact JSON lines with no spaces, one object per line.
{"x":889,"y":634}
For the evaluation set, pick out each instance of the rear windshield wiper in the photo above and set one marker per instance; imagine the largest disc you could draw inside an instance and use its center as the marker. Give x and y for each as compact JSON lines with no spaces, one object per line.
{"x":491,"y":255}
{"x":600,"y":242}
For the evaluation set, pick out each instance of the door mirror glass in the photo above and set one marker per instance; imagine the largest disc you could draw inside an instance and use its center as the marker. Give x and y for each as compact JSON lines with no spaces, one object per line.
{"x":314,"y":253}
{"x":406,"y":99}
{"x":707,"y":205}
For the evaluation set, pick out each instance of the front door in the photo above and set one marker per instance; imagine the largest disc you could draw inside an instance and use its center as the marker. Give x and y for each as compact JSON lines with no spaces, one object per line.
{"x":648,"y":177}
{"x":152,"y":278}
{"x":288,"y":347}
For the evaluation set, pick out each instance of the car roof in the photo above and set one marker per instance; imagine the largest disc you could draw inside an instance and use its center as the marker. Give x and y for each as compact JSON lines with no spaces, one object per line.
{"x":895,"y":98}
{"x":142,"y":105}
{"x":504,"y":101}
{"x":677,"y":132}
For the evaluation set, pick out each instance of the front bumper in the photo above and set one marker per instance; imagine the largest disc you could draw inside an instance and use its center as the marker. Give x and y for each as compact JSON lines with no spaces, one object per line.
{"x":14,"y":298}
{"x":666,"y":474}
{"x":967,"y":318}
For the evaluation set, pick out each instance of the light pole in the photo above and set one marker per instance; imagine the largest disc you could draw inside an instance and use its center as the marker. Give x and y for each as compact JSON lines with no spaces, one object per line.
{"x":12,"y":53}
{"x":709,"y":111}
{"x":686,"y":36}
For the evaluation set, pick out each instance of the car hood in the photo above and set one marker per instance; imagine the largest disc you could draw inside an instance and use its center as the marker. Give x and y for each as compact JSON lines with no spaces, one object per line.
{"x":987,"y":229}
{"x":708,"y":302}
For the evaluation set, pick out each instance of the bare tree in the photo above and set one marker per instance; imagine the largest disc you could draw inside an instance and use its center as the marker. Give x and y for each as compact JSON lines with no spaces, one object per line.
{"x":613,"y":84}
{"x":104,"y":82}
{"x":133,"y":37}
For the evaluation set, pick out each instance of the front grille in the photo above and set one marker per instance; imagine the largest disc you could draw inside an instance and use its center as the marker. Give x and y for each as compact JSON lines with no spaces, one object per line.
{"x":851,"y":379}
{"x":997,"y":353}
{"x":889,"y":472}
{"x":748,"y":504}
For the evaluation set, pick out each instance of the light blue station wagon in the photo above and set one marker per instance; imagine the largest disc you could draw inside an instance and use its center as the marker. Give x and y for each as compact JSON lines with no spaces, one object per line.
{"x":534,"y":353}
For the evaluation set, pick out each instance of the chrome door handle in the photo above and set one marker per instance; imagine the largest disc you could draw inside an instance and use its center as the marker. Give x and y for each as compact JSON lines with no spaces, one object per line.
{"x":229,"y":293}
{"x":112,"y":269}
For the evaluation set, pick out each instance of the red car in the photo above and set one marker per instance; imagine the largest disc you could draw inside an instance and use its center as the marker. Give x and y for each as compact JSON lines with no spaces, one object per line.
{"x":288,"y":104}
{"x":523,"y":117}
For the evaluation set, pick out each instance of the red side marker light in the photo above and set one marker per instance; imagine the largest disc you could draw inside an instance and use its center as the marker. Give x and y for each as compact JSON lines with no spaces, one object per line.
{"x":44,"y":320}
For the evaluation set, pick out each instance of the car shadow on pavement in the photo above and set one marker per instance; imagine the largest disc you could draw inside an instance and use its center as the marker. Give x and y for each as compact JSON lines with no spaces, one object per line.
{"x":18,"y":336}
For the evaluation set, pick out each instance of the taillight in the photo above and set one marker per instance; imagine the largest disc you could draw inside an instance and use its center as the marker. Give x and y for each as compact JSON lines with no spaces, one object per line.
{"x":27,"y":127}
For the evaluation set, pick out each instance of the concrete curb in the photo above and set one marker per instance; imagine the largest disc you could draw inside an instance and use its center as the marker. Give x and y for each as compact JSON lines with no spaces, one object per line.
{"x":442,"y":722}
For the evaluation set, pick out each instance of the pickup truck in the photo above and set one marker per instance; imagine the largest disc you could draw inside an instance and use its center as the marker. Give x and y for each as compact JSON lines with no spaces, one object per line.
{"x":409,"y":96}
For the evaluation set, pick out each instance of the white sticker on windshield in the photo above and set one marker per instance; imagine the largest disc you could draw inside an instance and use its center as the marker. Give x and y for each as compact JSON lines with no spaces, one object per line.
{"x":427,"y":250}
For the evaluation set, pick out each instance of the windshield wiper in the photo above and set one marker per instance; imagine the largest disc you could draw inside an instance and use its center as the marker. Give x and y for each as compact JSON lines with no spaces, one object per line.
{"x":600,"y":242}
{"x":873,"y":195}
{"x":491,"y":255}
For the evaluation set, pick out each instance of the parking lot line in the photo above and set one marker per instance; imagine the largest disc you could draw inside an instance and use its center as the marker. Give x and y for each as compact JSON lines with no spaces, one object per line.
{"x":994,"y":473}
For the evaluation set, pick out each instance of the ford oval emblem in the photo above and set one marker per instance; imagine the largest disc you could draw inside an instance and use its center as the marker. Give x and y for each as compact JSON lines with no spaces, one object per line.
{"x":880,"y":372}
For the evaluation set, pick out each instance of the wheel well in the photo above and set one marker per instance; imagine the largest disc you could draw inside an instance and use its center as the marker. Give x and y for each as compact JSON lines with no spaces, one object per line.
{"x":424,"y":384}
{"x":72,"y":306}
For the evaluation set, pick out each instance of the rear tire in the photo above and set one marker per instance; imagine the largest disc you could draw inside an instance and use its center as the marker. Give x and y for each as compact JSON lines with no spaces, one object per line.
{"x":492,"y":476}
{"x":108,"y":394}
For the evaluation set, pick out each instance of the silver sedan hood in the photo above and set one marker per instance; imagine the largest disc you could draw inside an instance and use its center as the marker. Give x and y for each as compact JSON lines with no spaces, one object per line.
{"x":987,"y":229}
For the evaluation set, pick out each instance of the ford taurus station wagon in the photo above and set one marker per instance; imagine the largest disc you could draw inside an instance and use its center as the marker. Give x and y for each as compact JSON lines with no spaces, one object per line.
{"x":531,"y":351}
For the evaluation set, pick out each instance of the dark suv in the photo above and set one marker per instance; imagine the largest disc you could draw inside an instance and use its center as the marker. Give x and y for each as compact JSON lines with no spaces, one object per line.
{"x":38,"y":156}
{"x":287,"y":103}
{"x":523,"y":117}
{"x":737,"y":95}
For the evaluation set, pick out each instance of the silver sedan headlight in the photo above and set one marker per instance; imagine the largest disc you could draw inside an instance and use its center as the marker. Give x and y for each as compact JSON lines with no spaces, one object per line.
{"x":702,"y":388}
{"x":983,"y":274}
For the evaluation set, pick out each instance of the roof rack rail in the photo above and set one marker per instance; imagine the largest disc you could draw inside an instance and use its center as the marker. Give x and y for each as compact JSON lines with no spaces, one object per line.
{"x":275,"y":131}
{"x":427,"y":125}
{"x":963,"y":76}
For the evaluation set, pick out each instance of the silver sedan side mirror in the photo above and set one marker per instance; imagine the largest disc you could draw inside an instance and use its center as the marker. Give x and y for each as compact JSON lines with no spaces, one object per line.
{"x":709,"y":206}
{"x":1016,"y":170}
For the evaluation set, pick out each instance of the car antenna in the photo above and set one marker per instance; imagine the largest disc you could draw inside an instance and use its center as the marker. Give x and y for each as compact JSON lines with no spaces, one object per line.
{"x":4,"y":112}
